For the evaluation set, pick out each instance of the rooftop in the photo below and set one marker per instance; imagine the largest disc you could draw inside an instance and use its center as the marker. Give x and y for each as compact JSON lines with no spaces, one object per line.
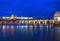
{"x":57,"y":14}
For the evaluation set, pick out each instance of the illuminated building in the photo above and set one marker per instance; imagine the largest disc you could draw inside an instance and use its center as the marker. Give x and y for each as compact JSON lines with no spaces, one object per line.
{"x":57,"y":17}
{"x":15,"y":17}
{"x":24,"y":18}
{"x":3,"y":17}
{"x":31,"y":20}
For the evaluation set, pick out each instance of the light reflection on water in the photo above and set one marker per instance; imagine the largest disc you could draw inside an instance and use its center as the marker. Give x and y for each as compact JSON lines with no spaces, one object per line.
{"x":30,"y":32}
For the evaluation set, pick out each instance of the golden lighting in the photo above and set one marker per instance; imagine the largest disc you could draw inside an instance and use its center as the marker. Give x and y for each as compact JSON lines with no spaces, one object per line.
{"x":13,"y":16}
{"x":4,"y":27}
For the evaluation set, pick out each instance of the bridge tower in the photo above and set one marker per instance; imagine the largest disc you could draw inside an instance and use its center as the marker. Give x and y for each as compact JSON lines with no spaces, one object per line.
{"x":57,"y":17}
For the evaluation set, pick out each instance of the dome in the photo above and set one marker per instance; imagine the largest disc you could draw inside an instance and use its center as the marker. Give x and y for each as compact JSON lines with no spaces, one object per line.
{"x":13,"y":16}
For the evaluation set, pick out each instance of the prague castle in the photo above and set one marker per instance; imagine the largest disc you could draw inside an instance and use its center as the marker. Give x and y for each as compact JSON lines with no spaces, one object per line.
{"x":15,"y":17}
{"x":30,"y":20}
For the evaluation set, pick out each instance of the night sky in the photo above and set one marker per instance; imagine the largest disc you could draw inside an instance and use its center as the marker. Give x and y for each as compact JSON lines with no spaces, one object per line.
{"x":34,"y":8}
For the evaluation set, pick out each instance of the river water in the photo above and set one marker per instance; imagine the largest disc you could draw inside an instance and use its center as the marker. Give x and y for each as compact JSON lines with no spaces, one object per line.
{"x":29,"y":32}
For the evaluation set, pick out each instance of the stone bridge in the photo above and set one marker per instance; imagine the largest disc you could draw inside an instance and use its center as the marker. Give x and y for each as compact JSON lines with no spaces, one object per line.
{"x":37,"y":21}
{"x":29,"y":21}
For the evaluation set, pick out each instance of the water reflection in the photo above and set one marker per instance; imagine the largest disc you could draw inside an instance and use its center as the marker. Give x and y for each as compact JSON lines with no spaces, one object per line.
{"x":4,"y":30}
{"x":31,"y":32}
{"x":24,"y":28}
{"x":57,"y":33}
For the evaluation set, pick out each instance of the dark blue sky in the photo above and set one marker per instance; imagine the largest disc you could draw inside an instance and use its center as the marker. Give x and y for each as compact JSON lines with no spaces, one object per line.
{"x":34,"y":8}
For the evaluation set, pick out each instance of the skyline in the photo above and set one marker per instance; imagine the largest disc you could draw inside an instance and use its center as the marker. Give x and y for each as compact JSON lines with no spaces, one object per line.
{"x":57,"y":13}
{"x":34,"y":8}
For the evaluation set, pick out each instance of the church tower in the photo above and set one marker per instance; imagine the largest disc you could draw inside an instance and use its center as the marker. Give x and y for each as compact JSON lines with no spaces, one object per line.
{"x":13,"y":16}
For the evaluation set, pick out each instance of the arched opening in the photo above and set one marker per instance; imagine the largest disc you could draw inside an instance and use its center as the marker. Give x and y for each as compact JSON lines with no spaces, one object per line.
{"x":48,"y":22}
{"x":41,"y":22}
{"x":35,"y":22}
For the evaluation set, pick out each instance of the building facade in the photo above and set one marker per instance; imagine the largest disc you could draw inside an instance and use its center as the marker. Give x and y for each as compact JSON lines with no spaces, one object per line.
{"x":15,"y":17}
{"x":57,"y":17}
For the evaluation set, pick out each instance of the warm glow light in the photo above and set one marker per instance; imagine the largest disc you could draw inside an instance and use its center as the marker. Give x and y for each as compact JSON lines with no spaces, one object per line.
{"x":13,"y":16}
{"x":3,"y":17}
{"x":58,"y":18}
{"x":3,"y":27}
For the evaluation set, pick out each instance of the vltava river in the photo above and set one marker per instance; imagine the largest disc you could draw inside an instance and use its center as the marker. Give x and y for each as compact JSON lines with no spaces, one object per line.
{"x":29,"y":32}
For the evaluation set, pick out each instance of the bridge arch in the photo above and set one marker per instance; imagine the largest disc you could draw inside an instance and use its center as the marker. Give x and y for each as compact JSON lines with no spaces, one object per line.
{"x":41,"y":22}
{"x":48,"y":22}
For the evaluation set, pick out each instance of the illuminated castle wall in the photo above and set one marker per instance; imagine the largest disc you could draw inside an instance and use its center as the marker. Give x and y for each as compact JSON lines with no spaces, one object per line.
{"x":15,"y":17}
